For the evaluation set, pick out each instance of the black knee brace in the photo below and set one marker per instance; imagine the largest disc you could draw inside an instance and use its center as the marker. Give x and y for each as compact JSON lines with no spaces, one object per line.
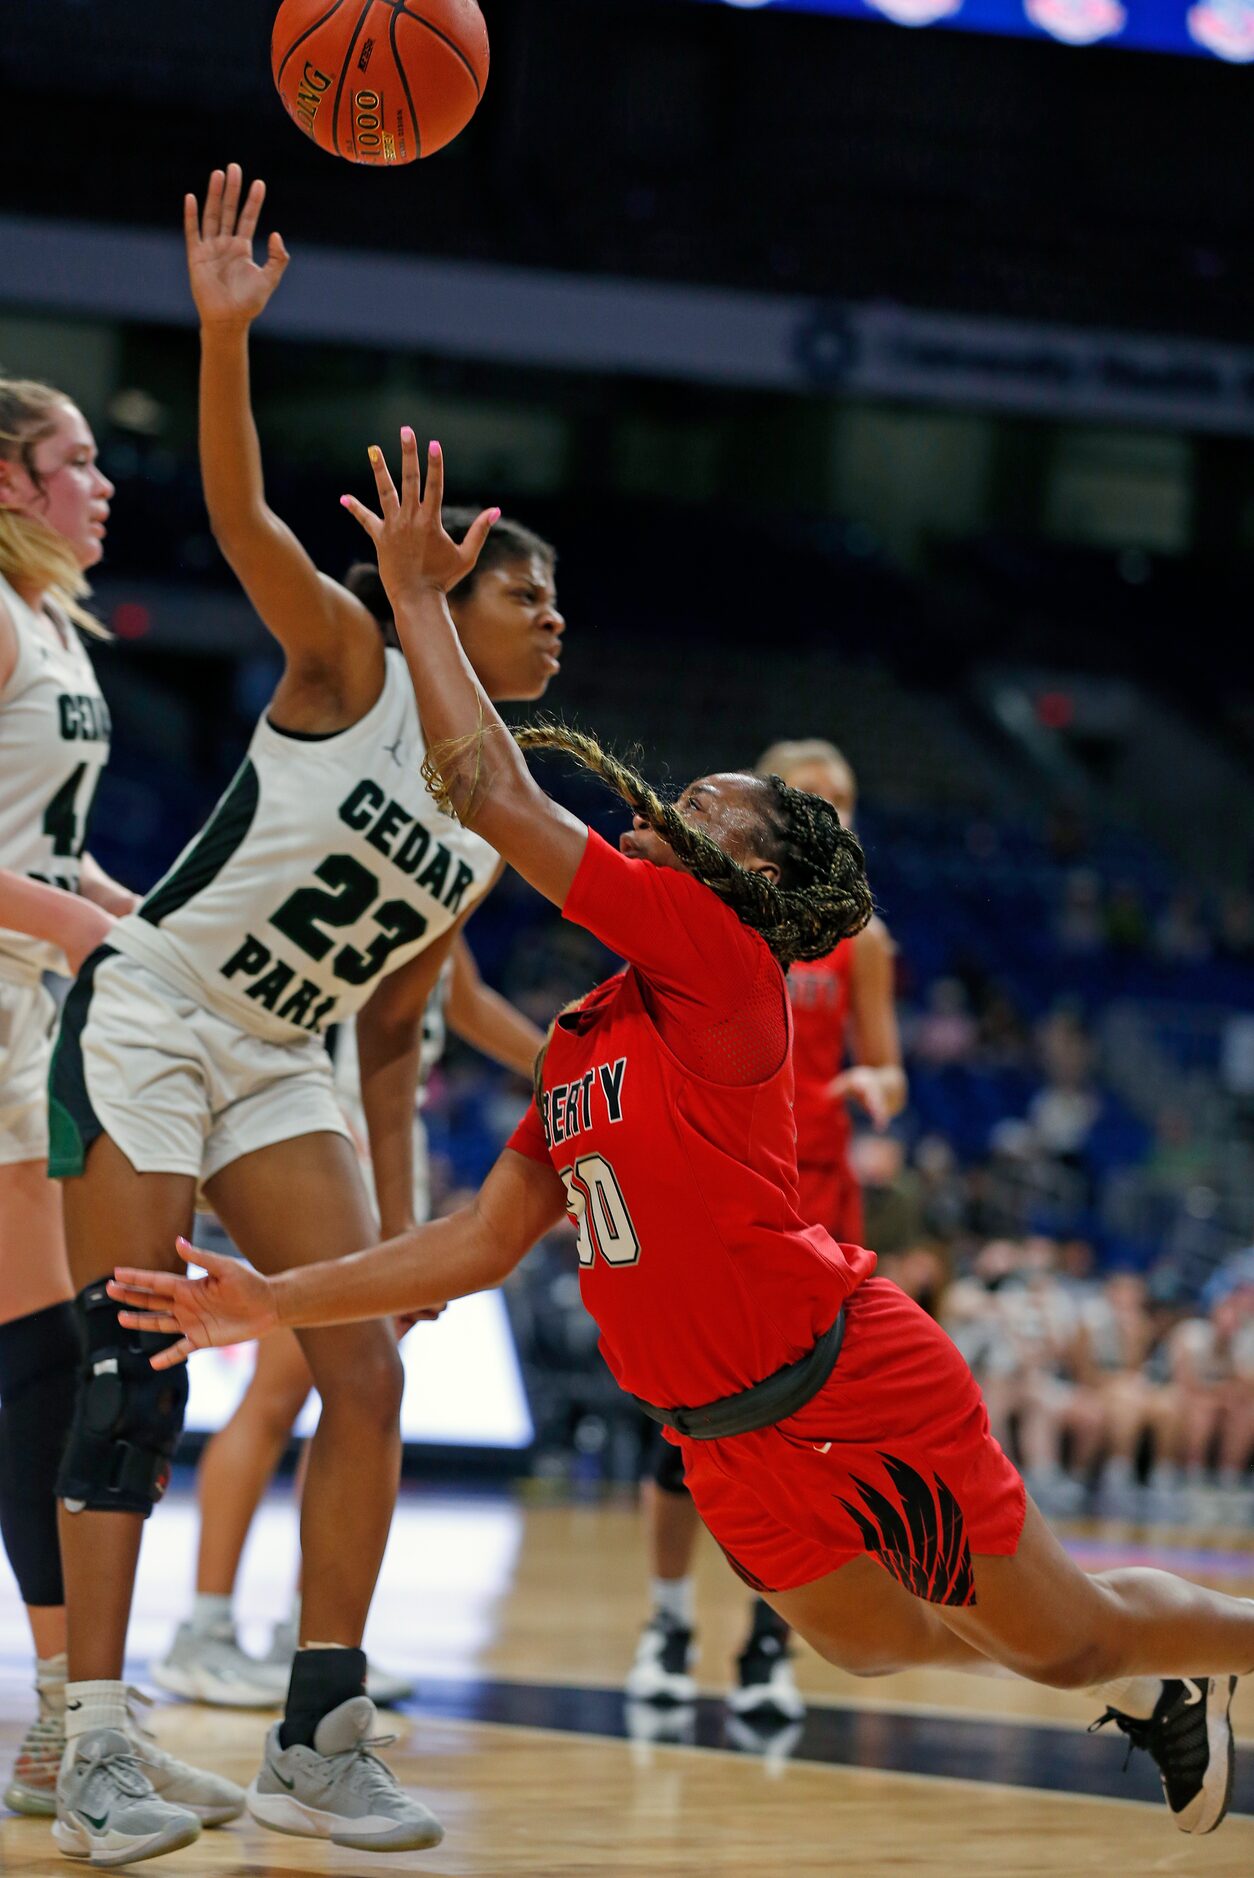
{"x":668,"y":1468}
{"x":39,"y":1364}
{"x":128,"y":1416}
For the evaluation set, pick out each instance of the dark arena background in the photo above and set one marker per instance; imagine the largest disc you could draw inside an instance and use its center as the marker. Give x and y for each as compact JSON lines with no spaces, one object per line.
{"x":888,"y":386}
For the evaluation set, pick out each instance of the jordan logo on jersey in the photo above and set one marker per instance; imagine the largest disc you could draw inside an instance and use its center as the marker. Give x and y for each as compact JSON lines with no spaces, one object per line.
{"x":567,"y":1109}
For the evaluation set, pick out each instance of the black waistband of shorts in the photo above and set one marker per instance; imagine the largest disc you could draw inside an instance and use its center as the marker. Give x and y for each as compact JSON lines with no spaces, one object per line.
{"x":773,"y":1399}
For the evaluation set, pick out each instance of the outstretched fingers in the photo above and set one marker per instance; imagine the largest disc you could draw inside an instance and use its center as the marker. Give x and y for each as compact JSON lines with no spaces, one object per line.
{"x":230,"y":197}
{"x":136,"y":1282}
{"x":372,"y":523}
{"x":434,"y":499}
{"x":411,"y":474}
{"x":211,"y":220}
{"x":174,"y":1353}
{"x":191,"y":223}
{"x":389,"y":501}
{"x":477,"y":534}
{"x":250,"y":214}
{"x":150,"y":1320}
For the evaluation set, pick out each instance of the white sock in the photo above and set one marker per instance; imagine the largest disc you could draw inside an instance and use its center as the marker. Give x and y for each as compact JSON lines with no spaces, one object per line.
{"x":91,"y":1705}
{"x":674,"y":1598}
{"x":50,"y":1684}
{"x":1131,"y":1695}
{"x":211,"y":1614}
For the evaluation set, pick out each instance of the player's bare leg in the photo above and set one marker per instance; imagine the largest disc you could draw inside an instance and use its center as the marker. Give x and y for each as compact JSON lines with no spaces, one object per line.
{"x":318,"y":1751}
{"x":863,"y":1621}
{"x":238,"y":1463}
{"x":205,"y":1661}
{"x":116,"y":1456}
{"x":112,"y":1214}
{"x":1162,"y":1653}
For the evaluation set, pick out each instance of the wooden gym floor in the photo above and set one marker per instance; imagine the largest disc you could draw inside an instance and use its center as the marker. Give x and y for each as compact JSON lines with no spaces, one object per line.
{"x":518,"y":1622}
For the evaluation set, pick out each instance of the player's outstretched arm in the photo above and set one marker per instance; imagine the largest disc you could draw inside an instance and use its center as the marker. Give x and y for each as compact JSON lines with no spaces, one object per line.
{"x":43,"y":912}
{"x":484,"y":1019}
{"x":481,"y":769}
{"x":318,"y":622}
{"x":472,"y":1250}
{"x":876,"y":1079}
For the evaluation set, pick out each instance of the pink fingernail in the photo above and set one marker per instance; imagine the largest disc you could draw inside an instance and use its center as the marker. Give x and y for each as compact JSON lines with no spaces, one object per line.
{"x":433,"y":449}
{"x":407,"y":435}
{"x":494,"y":515}
{"x":346,"y":502}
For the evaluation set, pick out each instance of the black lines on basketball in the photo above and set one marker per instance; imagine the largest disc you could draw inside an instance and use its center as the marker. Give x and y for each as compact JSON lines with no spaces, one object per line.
{"x":450,"y":43}
{"x":300,"y":38}
{"x":362,"y":17}
{"x":404,"y":78}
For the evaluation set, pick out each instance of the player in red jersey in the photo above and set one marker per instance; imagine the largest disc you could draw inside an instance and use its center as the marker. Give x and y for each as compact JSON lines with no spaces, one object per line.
{"x":842,"y":1004}
{"x":840,"y":1451}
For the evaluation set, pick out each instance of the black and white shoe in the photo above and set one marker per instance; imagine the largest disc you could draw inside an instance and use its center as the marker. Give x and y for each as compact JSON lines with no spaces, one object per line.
{"x":1189,"y":1736}
{"x":662,"y":1671}
{"x":764,"y":1686}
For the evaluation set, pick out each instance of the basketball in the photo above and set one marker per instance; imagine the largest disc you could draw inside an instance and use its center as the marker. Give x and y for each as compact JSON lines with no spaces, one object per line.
{"x":380,"y":81}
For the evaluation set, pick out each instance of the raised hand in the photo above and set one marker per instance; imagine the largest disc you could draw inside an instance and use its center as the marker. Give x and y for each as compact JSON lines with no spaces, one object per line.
{"x":231,"y":1304}
{"x":227,"y":285}
{"x":410,"y":540}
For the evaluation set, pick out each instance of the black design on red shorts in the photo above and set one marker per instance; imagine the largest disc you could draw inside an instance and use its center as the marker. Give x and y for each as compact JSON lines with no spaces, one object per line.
{"x":921,"y":1540}
{"x":742,"y":1571}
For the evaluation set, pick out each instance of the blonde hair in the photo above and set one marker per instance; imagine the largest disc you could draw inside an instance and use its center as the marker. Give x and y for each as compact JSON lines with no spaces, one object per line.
{"x":789,"y":755}
{"x":32,"y":555}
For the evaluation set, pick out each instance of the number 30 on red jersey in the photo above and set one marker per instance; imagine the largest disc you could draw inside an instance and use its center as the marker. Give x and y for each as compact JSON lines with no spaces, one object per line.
{"x":595,"y":1202}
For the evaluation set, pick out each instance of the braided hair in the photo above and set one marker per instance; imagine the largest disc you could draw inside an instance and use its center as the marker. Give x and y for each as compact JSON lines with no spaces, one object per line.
{"x":822,"y":894}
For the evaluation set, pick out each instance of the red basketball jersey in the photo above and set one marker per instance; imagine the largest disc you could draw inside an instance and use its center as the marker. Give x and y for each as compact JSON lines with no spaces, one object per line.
{"x":820,"y":992}
{"x":694,"y":1260}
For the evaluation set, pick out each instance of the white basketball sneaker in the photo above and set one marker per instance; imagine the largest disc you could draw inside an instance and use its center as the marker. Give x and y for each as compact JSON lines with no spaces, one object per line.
{"x":107,"y":1810}
{"x":339,"y":1790}
{"x":212,"y":1668}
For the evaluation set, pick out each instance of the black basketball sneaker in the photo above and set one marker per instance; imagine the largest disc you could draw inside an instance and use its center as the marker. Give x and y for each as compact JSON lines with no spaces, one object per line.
{"x":665,"y":1658}
{"x":1189,"y":1737}
{"x":764,"y":1685}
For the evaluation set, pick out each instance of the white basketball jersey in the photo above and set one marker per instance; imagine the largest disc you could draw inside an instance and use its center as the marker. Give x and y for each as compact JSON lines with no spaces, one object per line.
{"x":325,"y":865}
{"x":54,"y":742}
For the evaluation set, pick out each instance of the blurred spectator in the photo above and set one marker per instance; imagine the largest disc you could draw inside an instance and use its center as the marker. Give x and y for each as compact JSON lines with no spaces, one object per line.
{"x":1063,"y":1113}
{"x":946,"y":1031}
{"x":1127,"y":928}
{"x":1180,"y":936}
{"x":1004,"y":1042}
{"x":1080,"y":926}
{"x":891,"y":1193}
{"x":1236,"y":929}
{"x":1113,"y":1347}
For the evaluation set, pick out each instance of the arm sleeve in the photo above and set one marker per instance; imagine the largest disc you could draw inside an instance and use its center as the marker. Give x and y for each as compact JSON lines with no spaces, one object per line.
{"x":528,"y":1137}
{"x":678,"y":934}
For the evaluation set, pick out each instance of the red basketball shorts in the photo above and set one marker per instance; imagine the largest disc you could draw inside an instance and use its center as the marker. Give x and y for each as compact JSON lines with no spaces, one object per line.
{"x":828,"y":1195}
{"x":893,"y":1457}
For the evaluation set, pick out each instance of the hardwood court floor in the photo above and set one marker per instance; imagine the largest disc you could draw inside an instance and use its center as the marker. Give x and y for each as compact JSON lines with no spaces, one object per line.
{"x":518,"y":1623}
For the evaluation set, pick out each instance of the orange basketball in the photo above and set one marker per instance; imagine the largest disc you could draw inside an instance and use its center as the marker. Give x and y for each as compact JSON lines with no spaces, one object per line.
{"x":380,"y":81}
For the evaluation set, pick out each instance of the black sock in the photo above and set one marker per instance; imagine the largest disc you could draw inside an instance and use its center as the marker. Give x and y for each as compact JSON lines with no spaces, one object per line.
{"x":766,"y":1623}
{"x":321,"y":1680}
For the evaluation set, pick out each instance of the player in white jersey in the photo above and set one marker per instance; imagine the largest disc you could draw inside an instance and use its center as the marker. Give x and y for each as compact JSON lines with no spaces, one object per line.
{"x":325,"y":883}
{"x":54,"y":741}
